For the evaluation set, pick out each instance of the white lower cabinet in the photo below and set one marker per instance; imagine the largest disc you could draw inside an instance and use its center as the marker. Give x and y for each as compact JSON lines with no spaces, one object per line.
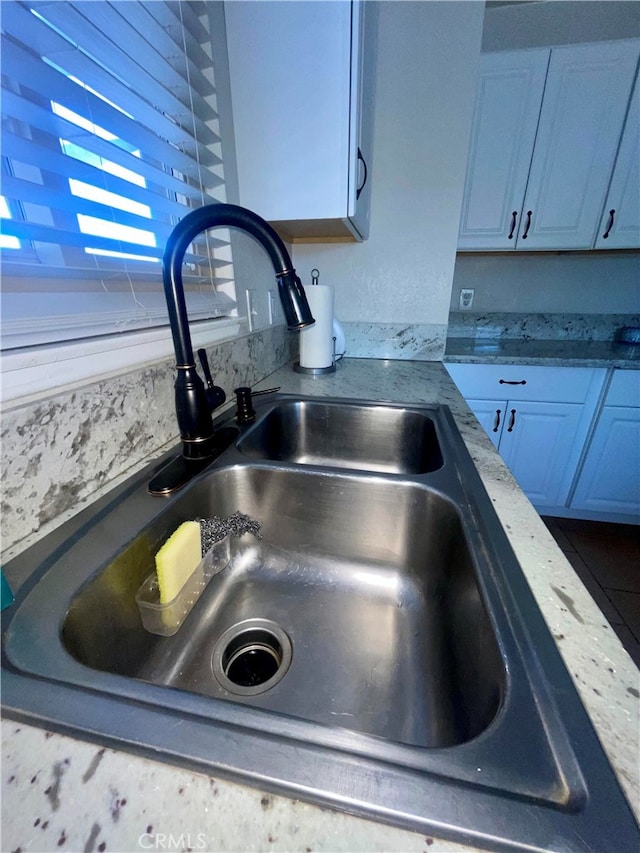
{"x":491,"y":414}
{"x":541,"y":428}
{"x":609,"y":480}
{"x":536,"y":443}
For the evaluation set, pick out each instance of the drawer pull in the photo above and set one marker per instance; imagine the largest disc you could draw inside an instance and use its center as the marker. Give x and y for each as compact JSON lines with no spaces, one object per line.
{"x":364,"y":177}
{"x":612,"y":213}
{"x":512,"y":421}
{"x":496,"y":423}
{"x":528,"y":225}
{"x":512,"y":382}
{"x":514,"y":217}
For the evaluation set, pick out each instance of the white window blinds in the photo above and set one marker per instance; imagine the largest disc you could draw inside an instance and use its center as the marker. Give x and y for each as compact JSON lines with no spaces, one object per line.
{"x":110,"y":134}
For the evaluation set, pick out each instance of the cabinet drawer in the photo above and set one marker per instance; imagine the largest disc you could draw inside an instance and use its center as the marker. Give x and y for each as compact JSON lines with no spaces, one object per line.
{"x":518,"y":382}
{"x":624,"y":389}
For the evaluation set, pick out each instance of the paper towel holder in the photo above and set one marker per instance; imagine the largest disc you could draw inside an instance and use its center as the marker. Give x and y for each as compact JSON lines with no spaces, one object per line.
{"x":314,"y":371}
{"x":318,"y":371}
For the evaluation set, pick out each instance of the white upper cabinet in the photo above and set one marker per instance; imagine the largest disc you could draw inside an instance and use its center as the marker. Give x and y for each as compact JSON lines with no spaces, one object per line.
{"x":620,"y":224}
{"x":507,"y":108}
{"x":583,"y":110}
{"x":300,"y":75}
{"x":579,"y":110}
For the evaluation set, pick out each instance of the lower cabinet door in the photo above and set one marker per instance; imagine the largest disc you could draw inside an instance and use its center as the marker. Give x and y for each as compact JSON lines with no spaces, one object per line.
{"x":490,"y":413}
{"x":538,"y":444}
{"x":610,"y":477}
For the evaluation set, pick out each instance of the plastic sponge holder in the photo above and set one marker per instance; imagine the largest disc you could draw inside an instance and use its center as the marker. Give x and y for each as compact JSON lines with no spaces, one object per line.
{"x":166,"y":619}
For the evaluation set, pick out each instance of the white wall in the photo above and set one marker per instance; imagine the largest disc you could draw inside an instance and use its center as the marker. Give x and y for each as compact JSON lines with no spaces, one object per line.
{"x":426,"y":67}
{"x":569,"y":283}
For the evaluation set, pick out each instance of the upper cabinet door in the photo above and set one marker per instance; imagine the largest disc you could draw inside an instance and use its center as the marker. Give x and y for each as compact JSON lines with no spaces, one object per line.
{"x":620,"y":223}
{"x":364,"y":29}
{"x":296,"y":75}
{"x":545,"y":133}
{"x":507,"y":107}
{"x":585,"y":101}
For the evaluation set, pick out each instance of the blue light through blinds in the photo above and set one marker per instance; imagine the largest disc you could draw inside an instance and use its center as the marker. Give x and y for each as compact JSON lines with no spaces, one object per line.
{"x":6,"y":240}
{"x":110,"y":135}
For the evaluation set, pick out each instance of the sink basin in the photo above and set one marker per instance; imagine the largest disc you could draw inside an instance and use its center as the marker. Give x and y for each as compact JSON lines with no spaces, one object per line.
{"x":388,"y":607}
{"x":377,"y":649}
{"x":370,"y":438}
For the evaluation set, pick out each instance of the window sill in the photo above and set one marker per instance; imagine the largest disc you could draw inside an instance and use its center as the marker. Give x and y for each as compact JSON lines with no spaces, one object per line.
{"x":35,"y":372}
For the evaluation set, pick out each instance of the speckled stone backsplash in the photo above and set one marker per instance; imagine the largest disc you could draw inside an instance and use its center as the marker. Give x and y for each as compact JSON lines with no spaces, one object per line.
{"x":61,"y":451}
{"x":585,"y":327}
{"x":407,"y":341}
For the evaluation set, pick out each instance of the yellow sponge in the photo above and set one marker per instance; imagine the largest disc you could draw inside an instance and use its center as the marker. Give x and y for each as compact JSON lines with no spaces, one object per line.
{"x":177,"y":559}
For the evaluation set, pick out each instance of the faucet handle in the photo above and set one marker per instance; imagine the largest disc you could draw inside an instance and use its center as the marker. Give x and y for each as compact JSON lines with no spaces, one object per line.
{"x":215,"y":394}
{"x":202,"y":355}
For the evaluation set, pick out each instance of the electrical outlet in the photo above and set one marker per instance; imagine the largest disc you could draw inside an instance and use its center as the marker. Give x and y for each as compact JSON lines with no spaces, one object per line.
{"x":466,"y":298}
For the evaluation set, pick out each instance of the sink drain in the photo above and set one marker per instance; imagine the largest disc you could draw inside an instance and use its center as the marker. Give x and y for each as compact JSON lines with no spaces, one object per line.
{"x":251,"y":657}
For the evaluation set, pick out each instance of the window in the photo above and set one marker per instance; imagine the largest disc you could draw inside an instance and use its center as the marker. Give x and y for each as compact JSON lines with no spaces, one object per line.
{"x":7,"y":241}
{"x":110,"y":135}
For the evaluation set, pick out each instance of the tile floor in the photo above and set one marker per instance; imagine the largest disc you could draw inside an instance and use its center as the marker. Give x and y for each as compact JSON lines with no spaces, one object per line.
{"x":606,"y":557}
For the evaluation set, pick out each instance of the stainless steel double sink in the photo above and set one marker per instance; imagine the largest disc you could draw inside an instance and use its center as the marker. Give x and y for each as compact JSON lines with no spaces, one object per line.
{"x":392,"y":661}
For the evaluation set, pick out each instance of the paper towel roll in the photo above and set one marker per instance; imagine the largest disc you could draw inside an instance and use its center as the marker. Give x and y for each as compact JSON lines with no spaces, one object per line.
{"x":316,"y":342}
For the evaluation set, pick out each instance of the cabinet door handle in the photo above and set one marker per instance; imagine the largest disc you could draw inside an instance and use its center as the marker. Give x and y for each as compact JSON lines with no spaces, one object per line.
{"x":512,"y":381}
{"x":514,"y":219}
{"x":528,"y":225}
{"x":496,"y":423}
{"x":612,"y":214}
{"x":512,"y":421}
{"x":364,"y":178}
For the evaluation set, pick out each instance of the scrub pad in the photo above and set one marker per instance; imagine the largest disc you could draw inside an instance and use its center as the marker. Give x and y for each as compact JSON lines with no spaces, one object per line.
{"x":216,"y":528}
{"x":177,"y":559}
{"x":181,"y":553}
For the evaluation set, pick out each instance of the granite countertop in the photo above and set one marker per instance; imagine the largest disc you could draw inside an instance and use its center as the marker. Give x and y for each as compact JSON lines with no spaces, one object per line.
{"x":561,"y":353}
{"x":60,"y":793}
